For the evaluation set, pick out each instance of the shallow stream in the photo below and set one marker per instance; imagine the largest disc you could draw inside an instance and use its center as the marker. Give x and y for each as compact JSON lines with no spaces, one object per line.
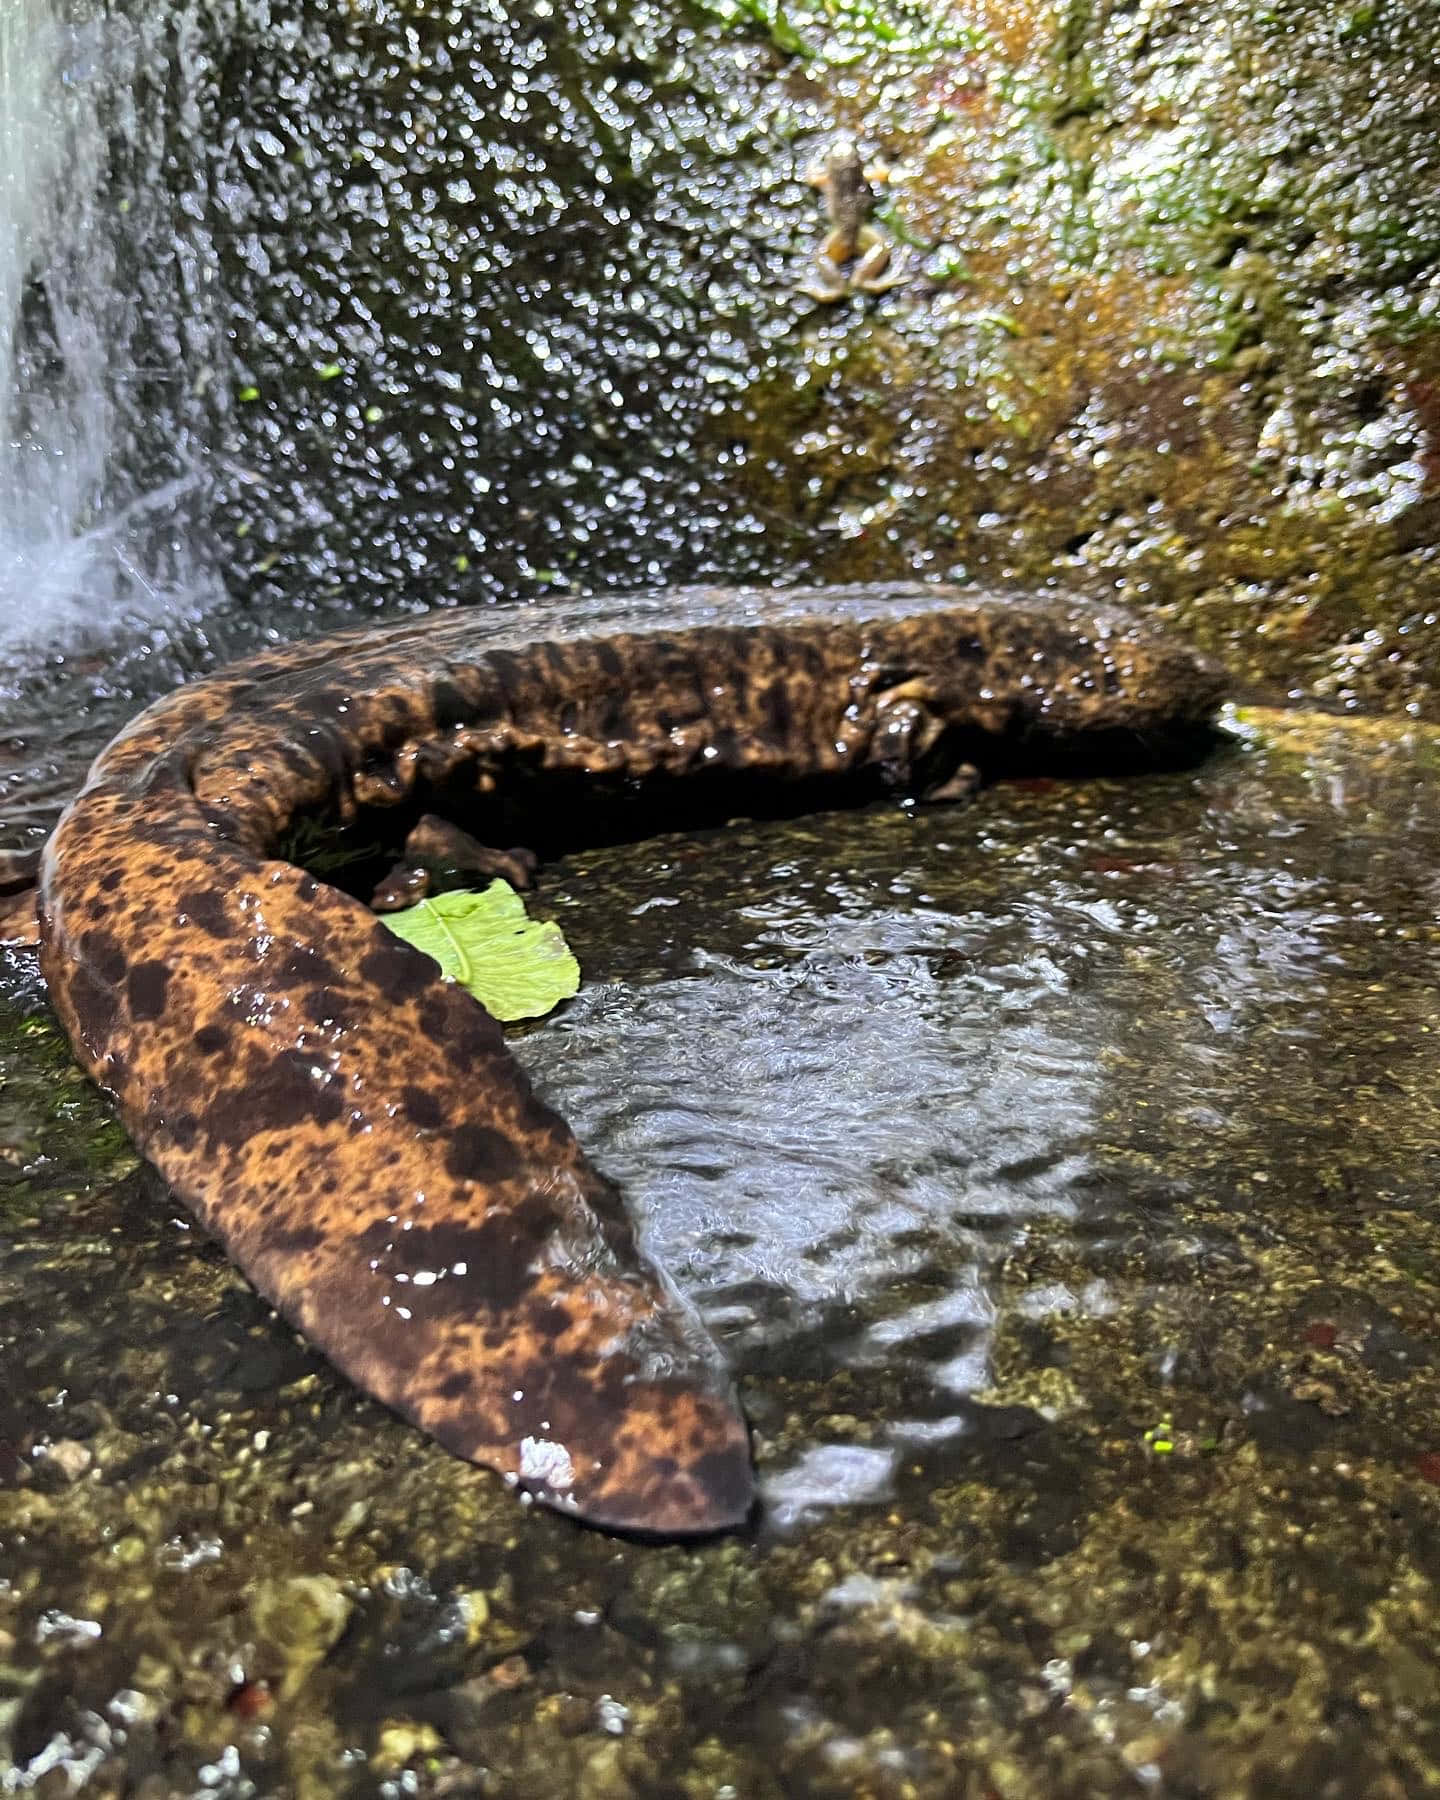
{"x":1060,"y":1174}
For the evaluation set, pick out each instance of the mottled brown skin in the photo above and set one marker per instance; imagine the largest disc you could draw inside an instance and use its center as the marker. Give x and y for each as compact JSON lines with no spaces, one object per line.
{"x":350,"y":1125}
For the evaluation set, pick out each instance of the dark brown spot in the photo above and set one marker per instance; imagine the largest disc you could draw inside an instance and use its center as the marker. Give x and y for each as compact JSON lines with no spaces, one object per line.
{"x":449,"y":703}
{"x":104,"y":956}
{"x":777,"y":712}
{"x":292,"y":1240}
{"x":219,"y":822}
{"x":145,"y":989}
{"x":205,"y":907}
{"x":423,"y":1108}
{"x":433,"y":1017}
{"x":286,"y":1091}
{"x":450,"y":1017}
{"x":725,"y":1477}
{"x":94,"y":1007}
{"x":184,"y":1130}
{"x":614,"y":723}
{"x":479,"y":1153}
{"x":210,"y":1040}
{"x":306,"y":964}
{"x":552,"y":1320}
{"x":479,"y":1269}
{"x":328,"y":1008}
{"x":399,"y":971}
{"x":511,"y":675}
{"x":329,"y":748}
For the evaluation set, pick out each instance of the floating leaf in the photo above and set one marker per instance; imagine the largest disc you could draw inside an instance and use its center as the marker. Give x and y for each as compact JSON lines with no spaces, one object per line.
{"x":515,"y":966}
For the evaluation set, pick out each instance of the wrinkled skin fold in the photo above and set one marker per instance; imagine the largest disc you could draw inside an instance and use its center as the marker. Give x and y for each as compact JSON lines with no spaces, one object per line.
{"x":352,"y":1127}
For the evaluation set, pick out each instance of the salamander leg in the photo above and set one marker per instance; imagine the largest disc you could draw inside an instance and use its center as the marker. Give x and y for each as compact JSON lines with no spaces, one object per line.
{"x":908,"y":746}
{"x":436,"y":848}
{"x":906,"y":730}
{"x":404,"y":885}
{"x":441,"y":845}
{"x":963,"y":784}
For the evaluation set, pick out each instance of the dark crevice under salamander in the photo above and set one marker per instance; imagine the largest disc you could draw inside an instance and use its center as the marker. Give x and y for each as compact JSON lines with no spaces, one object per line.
{"x":350,"y":1125}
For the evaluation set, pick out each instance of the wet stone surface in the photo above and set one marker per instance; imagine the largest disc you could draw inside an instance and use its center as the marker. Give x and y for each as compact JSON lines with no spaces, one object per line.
{"x":515,"y":304}
{"x":1059,"y":1173}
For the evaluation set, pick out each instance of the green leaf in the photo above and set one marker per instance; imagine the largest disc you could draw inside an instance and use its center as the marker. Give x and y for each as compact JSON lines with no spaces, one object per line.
{"x":515,"y":966}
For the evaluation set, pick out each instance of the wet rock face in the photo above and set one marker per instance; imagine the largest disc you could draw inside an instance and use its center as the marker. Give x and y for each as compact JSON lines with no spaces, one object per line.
{"x":1169,"y":327}
{"x":1181,"y":337}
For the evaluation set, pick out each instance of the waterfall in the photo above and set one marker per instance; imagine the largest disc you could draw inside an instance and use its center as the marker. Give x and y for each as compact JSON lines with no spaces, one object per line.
{"x":109,"y":321}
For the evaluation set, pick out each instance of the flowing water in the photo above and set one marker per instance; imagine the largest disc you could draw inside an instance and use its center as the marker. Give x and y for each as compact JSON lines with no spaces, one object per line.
{"x":108,"y":324}
{"x":1059,"y":1172}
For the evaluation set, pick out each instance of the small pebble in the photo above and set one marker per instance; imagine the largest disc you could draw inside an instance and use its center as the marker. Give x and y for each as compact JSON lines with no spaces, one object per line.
{"x":70,"y":1458}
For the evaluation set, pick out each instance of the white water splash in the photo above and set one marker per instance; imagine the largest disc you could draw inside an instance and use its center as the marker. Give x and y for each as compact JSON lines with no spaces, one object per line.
{"x":107,"y":322}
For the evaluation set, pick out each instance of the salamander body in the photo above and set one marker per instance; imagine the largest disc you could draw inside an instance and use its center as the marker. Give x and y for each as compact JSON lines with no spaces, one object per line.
{"x":350,"y":1125}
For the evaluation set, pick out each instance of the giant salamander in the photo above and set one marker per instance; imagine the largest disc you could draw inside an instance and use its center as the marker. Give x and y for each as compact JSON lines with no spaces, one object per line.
{"x":350,"y":1125}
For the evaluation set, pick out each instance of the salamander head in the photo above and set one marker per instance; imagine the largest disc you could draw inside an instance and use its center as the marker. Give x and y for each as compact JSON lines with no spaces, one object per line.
{"x":953,"y":683}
